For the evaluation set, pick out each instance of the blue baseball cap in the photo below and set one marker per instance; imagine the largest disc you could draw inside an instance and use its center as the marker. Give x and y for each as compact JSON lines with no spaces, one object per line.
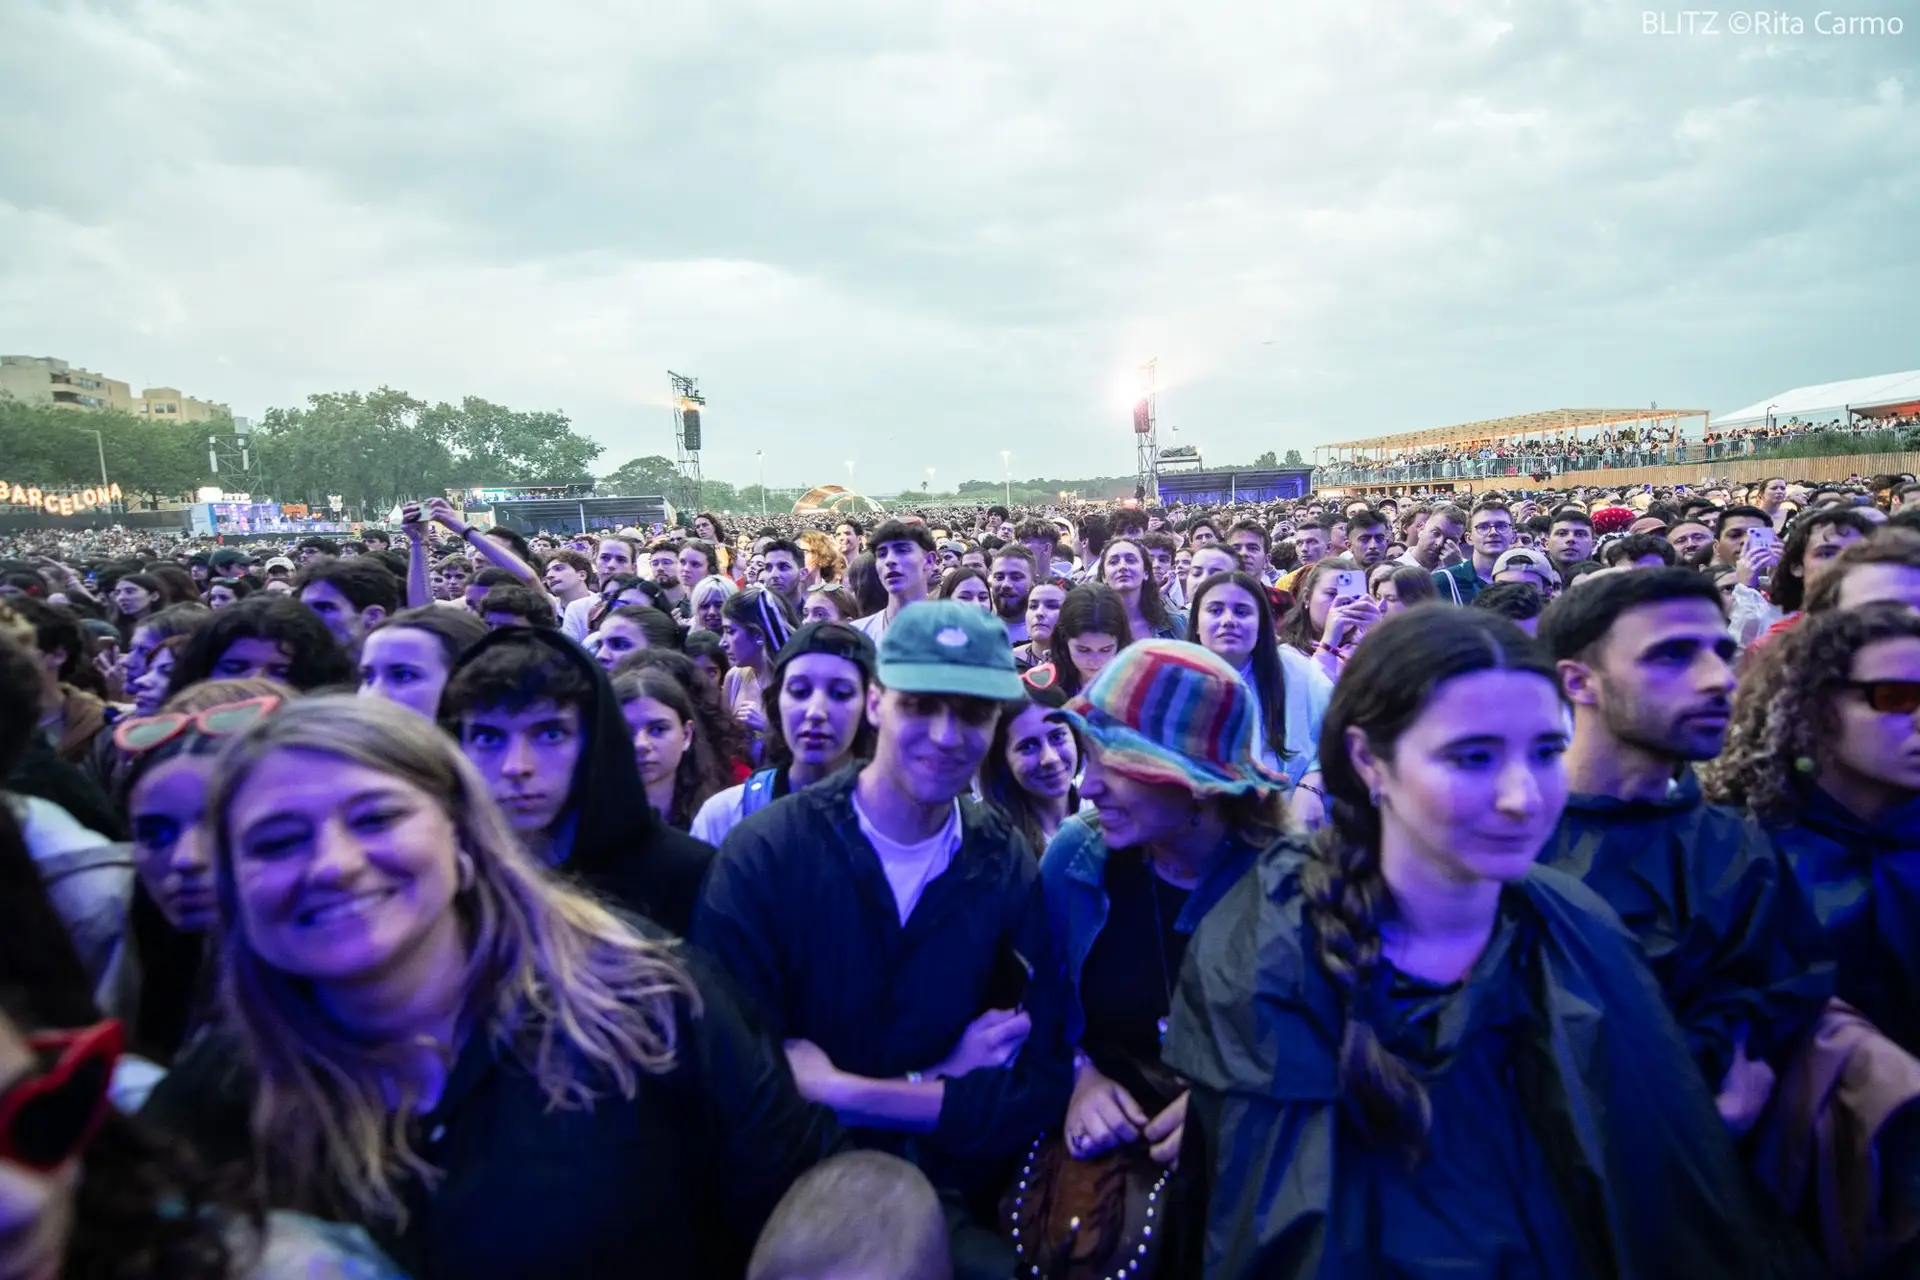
{"x":944,"y":646}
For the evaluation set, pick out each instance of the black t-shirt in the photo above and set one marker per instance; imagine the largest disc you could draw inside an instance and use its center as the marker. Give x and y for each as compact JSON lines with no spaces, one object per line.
{"x":1130,"y":972}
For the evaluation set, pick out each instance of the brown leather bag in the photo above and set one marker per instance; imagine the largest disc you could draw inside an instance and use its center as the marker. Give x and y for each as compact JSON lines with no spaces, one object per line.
{"x":1087,"y":1219}
{"x":1092,"y":1219}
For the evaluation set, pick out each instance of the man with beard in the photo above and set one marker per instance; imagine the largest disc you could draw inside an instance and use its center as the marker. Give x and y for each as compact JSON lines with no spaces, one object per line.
{"x":786,"y":574}
{"x":1368,"y":532}
{"x":1011,"y":579}
{"x":1646,"y":661}
{"x":663,"y":563}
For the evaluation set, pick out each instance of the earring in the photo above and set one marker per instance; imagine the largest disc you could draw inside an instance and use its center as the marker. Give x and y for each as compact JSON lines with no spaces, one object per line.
{"x":463,"y":866}
{"x":1805,"y":764}
{"x":1373,"y":796}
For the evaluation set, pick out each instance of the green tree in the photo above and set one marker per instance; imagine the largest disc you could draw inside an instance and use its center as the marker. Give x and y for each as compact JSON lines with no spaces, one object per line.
{"x":1267,"y":459}
{"x":650,"y":476}
{"x":1293,"y":458}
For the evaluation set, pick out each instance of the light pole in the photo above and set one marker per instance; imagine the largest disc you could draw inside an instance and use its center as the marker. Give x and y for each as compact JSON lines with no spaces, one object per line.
{"x":761,"y":457}
{"x":100,"y":443}
{"x":849,"y":475}
{"x":929,"y":481}
{"x":1006,"y":473}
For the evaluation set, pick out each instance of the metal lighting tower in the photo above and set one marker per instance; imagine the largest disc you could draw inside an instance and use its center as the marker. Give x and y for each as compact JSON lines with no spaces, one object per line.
{"x":1146,"y":436}
{"x":687,"y":406}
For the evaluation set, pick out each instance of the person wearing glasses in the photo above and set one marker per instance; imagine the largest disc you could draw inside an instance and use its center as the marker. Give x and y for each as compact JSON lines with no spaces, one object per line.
{"x":1490,"y":535}
{"x":160,"y":979}
{"x":1825,"y":750}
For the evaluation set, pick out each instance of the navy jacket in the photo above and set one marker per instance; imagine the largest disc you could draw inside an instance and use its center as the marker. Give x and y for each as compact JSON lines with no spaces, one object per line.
{"x":1729,"y":932}
{"x":1863,"y":879}
{"x":797,"y":909}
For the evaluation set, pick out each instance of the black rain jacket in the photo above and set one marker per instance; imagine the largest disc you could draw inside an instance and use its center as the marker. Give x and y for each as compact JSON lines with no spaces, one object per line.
{"x":1644,"y":1173}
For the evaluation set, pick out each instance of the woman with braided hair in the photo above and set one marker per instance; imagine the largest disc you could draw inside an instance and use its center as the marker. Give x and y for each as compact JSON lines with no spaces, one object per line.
{"x":1413,"y":1053}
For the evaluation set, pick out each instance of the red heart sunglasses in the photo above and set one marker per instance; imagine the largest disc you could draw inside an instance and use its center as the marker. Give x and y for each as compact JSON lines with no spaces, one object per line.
{"x":49,"y":1115}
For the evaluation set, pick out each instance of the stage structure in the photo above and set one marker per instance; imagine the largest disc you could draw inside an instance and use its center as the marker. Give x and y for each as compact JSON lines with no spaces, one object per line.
{"x":836,"y":500}
{"x":1253,"y":484}
{"x":1146,"y":435}
{"x":687,"y":404}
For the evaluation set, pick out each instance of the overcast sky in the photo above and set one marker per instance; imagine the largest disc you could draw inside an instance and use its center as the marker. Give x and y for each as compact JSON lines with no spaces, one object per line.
{"x":918,"y":233}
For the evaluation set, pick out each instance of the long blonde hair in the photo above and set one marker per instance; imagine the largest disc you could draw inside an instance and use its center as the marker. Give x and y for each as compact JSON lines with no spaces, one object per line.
{"x":553,"y":978}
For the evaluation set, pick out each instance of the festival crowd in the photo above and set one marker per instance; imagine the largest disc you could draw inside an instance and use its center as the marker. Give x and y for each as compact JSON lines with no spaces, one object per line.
{"x":1510,"y":886}
{"x":1646,"y":445}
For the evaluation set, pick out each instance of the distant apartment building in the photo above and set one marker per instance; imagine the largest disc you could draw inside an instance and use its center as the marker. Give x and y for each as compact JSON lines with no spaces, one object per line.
{"x":45,"y":380}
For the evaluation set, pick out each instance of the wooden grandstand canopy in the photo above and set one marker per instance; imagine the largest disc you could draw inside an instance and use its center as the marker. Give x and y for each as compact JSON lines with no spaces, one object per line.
{"x":1525,"y":424}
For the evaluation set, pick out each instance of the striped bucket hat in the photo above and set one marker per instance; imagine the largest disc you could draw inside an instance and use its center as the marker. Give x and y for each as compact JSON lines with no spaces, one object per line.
{"x":1165,"y":711}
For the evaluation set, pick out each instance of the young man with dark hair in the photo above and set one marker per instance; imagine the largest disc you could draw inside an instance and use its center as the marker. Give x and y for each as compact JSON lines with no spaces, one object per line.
{"x":569,"y":576}
{"x":848,"y":535}
{"x":1313,"y":541}
{"x":1010,"y":577}
{"x":663,"y":566}
{"x":1490,"y":531}
{"x":350,"y":596}
{"x":1041,"y":539}
{"x":1368,"y":533}
{"x":1520,"y":601}
{"x":512,"y":605}
{"x":1692,"y":542}
{"x":903,"y":559}
{"x":1570,"y":538}
{"x":1731,"y":529}
{"x":1647,"y":663}
{"x":536,"y":715}
{"x":1640,"y":550}
{"x":485,"y":581}
{"x":786,"y":573}
{"x":1094,"y":533}
{"x":378,"y":540}
{"x":1249,"y":541}
{"x":615,"y":554}
{"x":311,"y":549}
{"x":893,"y":935}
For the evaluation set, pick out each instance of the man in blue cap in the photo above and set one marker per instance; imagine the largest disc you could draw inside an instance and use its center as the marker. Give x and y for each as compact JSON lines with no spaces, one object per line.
{"x":892,"y":932}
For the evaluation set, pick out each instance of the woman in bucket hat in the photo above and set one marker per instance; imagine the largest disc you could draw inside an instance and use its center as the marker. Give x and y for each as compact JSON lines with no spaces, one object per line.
{"x":1183,"y":806}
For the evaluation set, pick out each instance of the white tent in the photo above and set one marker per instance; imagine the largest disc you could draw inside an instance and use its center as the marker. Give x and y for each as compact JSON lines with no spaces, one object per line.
{"x":1829,"y":400}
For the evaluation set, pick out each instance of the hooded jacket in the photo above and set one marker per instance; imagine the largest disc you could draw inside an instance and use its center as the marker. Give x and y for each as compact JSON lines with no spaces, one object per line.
{"x":619,"y":845}
{"x":1863,"y":879}
{"x":1570,"y":1135}
{"x":1724,"y":922}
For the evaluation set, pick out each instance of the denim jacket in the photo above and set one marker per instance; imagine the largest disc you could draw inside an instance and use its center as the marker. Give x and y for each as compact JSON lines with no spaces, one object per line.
{"x":1073,"y":876}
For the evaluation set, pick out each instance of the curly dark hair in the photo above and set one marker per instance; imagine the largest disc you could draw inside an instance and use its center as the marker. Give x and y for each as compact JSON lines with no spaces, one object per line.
{"x":1391,"y":678}
{"x":1783,"y":711}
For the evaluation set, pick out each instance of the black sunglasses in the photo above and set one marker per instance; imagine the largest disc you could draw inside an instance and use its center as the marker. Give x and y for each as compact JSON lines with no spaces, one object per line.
{"x":1889,"y":697}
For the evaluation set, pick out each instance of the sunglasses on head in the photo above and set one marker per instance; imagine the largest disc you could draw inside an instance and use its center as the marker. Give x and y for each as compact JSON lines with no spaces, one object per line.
{"x":147,"y":732}
{"x":50,"y":1114}
{"x":1889,"y":697}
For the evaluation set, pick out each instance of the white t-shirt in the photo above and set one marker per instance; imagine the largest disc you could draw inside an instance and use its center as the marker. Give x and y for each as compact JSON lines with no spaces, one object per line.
{"x":574,"y":621}
{"x":719,"y":815}
{"x":873,"y":626}
{"x":910,"y":868}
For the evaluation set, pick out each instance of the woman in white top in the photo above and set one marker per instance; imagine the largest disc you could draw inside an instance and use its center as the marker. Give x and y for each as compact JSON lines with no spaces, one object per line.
{"x":815,"y":710}
{"x":1232,"y":620}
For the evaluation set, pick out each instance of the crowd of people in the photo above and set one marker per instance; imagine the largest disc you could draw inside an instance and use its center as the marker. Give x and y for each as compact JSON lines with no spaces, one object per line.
{"x":1518,"y":886}
{"x":1645,"y":445}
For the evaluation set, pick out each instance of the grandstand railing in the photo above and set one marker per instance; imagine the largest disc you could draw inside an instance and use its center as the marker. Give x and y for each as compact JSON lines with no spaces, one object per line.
{"x":1536,"y":462}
